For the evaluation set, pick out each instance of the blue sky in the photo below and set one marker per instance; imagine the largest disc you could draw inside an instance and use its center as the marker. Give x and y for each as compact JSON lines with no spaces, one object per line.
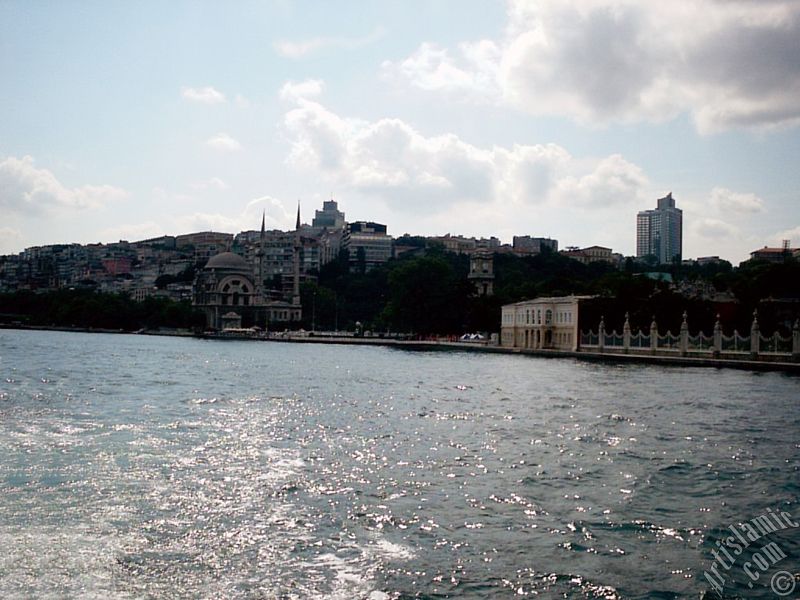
{"x":548,"y":118}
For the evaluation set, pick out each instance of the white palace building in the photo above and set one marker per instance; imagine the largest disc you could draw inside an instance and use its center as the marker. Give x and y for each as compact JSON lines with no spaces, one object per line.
{"x":540,"y":324}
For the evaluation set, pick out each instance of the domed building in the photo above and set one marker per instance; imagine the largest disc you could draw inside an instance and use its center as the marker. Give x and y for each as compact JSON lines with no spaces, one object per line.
{"x":229,"y":286}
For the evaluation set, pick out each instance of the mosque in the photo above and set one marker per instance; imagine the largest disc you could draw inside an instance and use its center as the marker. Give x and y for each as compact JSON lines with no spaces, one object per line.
{"x":232,"y":293}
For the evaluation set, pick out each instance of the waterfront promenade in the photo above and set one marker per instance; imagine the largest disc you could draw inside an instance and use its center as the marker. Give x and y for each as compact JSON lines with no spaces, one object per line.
{"x":608,"y":355}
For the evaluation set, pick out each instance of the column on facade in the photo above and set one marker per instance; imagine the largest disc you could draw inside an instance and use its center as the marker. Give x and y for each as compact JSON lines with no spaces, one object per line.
{"x":601,"y":334}
{"x":684,"y":336}
{"x":653,"y":335}
{"x":626,"y":334}
{"x":755,"y":335}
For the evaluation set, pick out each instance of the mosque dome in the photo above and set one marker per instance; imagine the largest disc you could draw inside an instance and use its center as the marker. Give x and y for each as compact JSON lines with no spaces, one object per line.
{"x":227,"y":260}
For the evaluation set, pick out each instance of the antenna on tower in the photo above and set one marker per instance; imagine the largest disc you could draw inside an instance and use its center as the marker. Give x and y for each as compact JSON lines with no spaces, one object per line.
{"x":787,"y":245}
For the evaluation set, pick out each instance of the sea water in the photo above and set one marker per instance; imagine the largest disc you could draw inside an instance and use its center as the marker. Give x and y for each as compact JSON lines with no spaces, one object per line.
{"x":156,"y":467}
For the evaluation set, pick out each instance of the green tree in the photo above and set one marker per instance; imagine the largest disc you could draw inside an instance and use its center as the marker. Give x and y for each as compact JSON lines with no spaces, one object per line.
{"x":425,"y":296}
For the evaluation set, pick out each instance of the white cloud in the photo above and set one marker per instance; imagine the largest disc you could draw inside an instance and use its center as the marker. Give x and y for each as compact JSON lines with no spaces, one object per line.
{"x":433,"y":68}
{"x":10,"y":240}
{"x":204,"y":95}
{"x":23,"y":187}
{"x":707,"y":235}
{"x":248,"y":219}
{"x":713,"y":228}
{"x":304,"y":48}
{"x":277,"y":215}
{"x":133,"y":232}
{"x":727,"y":201}
{"x":309,"y":88}
{"x":213,"y":183}
{"x":728,"y":64}
{"x":224,"y":143}
{"x":614,"y":181}
{"x":793,"y":235}
{"x":200,"y":221}
{"x":167,"y":197}
{"x":390,"y":160}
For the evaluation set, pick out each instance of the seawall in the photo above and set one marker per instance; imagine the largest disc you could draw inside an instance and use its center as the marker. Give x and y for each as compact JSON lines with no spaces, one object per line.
{"x":680,"y":361}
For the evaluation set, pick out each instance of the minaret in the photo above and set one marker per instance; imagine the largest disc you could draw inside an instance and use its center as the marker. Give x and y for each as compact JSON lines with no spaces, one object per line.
{"x":261,"y":253}
{"x":297,"y":248}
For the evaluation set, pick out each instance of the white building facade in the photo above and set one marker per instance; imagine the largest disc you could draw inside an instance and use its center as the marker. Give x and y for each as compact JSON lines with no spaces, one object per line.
{"x":541,"y":324}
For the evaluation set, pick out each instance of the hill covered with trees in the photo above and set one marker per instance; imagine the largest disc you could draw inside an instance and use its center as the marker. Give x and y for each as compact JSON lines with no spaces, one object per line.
{"x":428,"y":293}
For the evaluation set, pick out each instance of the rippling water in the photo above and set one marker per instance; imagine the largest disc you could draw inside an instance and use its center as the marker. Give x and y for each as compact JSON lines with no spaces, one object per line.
{"x":144,"y":467}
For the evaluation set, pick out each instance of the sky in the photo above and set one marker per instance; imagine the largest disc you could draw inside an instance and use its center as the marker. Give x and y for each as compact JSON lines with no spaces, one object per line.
{"x":129,"y":120}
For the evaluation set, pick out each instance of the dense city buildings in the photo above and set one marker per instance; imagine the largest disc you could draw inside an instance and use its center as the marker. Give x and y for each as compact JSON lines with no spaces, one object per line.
{"x":367,"y":245}
{"x":527,"y":245}
{"x":455,"y":243}
{"x":255,"y":277}
{"x":205,"y":244}
{"x":708,"y":260}
{"x":459,"y":244}
{"x":775,"y":255}
{"x":592,"y":254}
{"x":278,"y":255}
{"x":659,"y":232}
{"x":330,"y":217}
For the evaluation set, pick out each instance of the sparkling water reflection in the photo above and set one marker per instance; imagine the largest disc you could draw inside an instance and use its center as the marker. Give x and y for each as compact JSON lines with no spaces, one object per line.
{"x":141,"y":467}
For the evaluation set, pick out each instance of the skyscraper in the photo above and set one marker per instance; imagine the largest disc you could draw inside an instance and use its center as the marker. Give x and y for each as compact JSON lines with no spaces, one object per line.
{"x":659,"y":232}
{"x":330,"y":217}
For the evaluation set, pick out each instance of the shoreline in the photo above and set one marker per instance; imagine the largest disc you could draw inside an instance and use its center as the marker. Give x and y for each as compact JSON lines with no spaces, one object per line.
{"x":610,"y":357}
{"x":435,"y":345}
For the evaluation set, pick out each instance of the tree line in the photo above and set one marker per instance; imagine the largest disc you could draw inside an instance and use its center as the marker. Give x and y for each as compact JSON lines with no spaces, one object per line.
{"x":85,"y":308}
{"x":428,"y":292}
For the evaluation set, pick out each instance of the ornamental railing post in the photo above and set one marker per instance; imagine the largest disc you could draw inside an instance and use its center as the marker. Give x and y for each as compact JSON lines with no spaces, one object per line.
{"x":717,"y":338}
{"x":684,"y":341}
{"x":755,"y":335}
{"x":653,"y":335}
{"x":601,"y":334}
{"x":626,"y":334}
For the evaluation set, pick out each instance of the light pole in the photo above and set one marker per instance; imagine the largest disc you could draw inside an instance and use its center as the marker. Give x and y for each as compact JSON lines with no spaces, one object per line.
{"x":314,"y":312}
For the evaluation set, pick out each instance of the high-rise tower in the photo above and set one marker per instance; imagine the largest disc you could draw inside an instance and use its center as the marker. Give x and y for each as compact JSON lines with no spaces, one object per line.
{"x":659,"y":231}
